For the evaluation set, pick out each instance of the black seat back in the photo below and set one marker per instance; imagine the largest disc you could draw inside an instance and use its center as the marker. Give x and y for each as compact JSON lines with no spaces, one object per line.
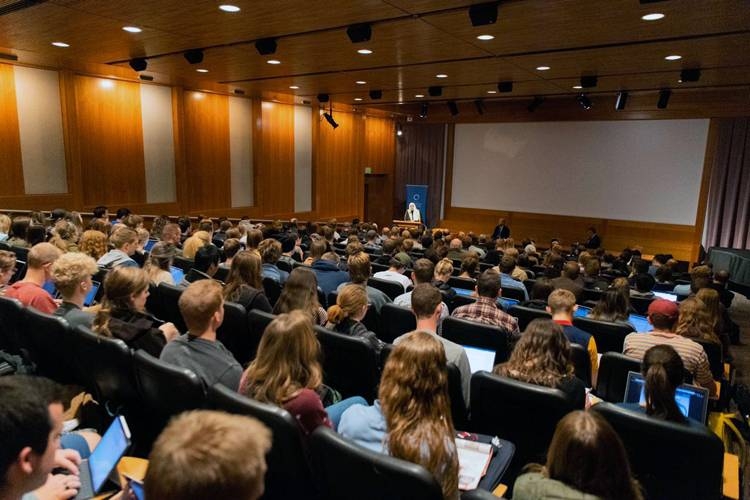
{"x":579,"y":356}
{"x":513,"y":293}
{"x":272,"y":288}
{"x":235,"y":333}
{"x":288,"y":474}
{"x":525,"y":414}
{"x":221,"y":274}
{"x":460,"y":300}
{"x":640,"y":304}
{"x":350,"y":364}
{"x":11,"y":318}
{"x":395,"y":321}
{"x":474,"y":334}
{"x":284,"y":266}
{"x":20,"y":271}
{"x":529,"y":284}
{"x":609,"y":336}
{"x":591,"y":294}
{"x":612,"y":377}
{"x":715,"y":357}
{"x":168,"y":302}
{"x":183,"y":263}
{"x":465,"y":283}
{"x":526,"y":315}
{"x":459,"y":410}
{"x":670,"y":460}
{"x":346,"y":470}
{"x":391,"y":288}
{"x":257,"y":322}
{"x":47,"y":339}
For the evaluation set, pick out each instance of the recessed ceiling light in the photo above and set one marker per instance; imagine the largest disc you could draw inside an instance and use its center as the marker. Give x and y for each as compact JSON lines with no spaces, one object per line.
{"x":132,"y":29}
{"x":229,"y":8}
{"x":655,"y":16}
{"x":542,"y":68}
{"x":357,"y":98}
{"x":293,"y":87}
{"x":60,"y":44}
{"x":674,"y":57}
{"x":360,"y":82}
{"x":484,"y":38}
{"x":441,"y":75}
{"x":492,"y":91}
{"x":273,"y":61}
{"x":202,"y":70}
{"x":364,"y":52}
{"x":577,"y":87}
{"x":419,"y":95}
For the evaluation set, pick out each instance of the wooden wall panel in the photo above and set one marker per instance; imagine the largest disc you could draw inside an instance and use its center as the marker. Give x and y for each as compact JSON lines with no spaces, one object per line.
{"x":274,"y":166}
{"x":380,"y":156}
{"x":206,"y":144}
{"x":338,"y":174}
{"x":11,"y":164}
{"x":110,"y":141}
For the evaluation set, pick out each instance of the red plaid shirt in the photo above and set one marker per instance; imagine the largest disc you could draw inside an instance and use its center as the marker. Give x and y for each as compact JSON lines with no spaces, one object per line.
{"x":485,"y":310}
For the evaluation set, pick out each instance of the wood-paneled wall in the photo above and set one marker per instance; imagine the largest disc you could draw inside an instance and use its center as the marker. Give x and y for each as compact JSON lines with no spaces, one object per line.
{"x":10,"y":139}
{"x":275,"y":163}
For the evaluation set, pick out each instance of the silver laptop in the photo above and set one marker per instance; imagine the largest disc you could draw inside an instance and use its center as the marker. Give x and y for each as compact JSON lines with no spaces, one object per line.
{"x":691,"y":400}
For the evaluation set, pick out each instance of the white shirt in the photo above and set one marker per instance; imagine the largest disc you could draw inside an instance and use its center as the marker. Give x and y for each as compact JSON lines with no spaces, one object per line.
{"x":394,"y":276}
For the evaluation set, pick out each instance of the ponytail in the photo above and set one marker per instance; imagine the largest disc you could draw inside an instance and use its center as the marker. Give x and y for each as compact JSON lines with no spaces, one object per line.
{"x":100,"y":324}
{"x":336,"y":314}
{"x":660,"y":402}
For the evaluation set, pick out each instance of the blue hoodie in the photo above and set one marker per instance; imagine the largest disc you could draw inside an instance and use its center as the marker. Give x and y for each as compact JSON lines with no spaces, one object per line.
{"x":329,"y":275}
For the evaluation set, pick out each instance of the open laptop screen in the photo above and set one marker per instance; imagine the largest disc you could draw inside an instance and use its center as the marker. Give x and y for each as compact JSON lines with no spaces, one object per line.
{"x":582,"y":312}
{"x":108,"y":452}
{"x":507,"y":303}
{"x":666,"y":296}
{"x":691,"y":400}
{"x":177,"y":274}
{"x":640,"y":323}
{"x":480,"y":359}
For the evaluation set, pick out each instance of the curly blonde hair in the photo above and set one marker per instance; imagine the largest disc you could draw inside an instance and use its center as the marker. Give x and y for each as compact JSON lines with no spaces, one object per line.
{"x":198,"y":240}
{"x":70,"y":269}
{"x":93,"y":243}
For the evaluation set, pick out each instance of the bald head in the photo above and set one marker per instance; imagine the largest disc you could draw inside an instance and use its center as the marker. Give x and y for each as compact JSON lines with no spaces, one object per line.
{"x":456,"y":244}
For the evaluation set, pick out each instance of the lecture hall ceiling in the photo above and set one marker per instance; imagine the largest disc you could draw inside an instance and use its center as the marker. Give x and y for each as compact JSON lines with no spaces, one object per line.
{"x":412,"y":42}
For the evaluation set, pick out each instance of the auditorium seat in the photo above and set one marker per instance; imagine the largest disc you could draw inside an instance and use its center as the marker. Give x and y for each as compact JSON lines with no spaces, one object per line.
{"x":20,"y":271}
{"x":47,"y":340}
{"x":459,"y":406}
{"x":235,"y":332}
{"x":390,"y":288}
{"x":465,"y":283}
{"x":350,"y":365}
{"x":609,"y":336}
{"x":11,"y":316}
{"x":284,"y":266}
{"x":640,"y":304}
{"x":591,"y":294}
{"x":714,"y":355}
{"x":670,"y":460}
{"x":479,"y":335}
{"x":21,"y":253}
{"x":513,"y":293}
{"x":529,"y":284}
{"x":288,"y":474}
{"x":221,"y":274}
{"x":376,"y":268}
{"x":664,"y":287}
{"x":579,"y":356}
{"x":167,"y":300}
{"x":183,"y":263}
{"x":272,"y":288}
{"x":612,"y":378}
{"x":257,"y":322}
{"x":525,"y":414}
{"x":460,"y":300}
{"x":346,"y":470}
{"x":526,"y":315}
{"x":395,"y":321}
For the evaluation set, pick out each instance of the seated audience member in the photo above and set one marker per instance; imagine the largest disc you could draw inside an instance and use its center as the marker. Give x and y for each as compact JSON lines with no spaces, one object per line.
{"x":542,"y":357}
{"x":586,"y":460}
{"x":65,"y":236}
{"x":540,"y":292}
{"x":157,"y":226}
{"x":38,"y":271}
{"x":198,"y":240}
{"x":469,"y":266}
{"x":359,"y":273}
{"x":346,"y":315}
{"x":517,"y":274}
{"x":720,"y":284}
{"x":697,"y":272}
{"x":663,"y":314}
{"x":71,"y":274}
{"x":327,"y":271}
{"x":562,"y":305}
{"x":244,"y":284}
{"x":158,"y":264}
{"x":663,"y":275}
{"x":205,"y":264}
{"x":612,"y":307}
{"x":220,"y":236}
{"x":185,"y":225}
{"x":4,"y":227}
{"x":301,"y":294}
{"x":570,"y":280}
{"x":411,"y":419}
{"x":717,"y":316}
{"x":208,"y":454}
{"x":644,"y":283}
{"x":171,"y":234}
{"x":591,"y":278}
{"x":593,"y":240}
{"x":7,"y":268}
{"x":485,"y":309}
{"x":122,"y":313}
{"x":372,"y":240}
{"x":695,"y":321}
{"x":506,"y":266}
{"x":202,"y":308}
{"x":270,"y":252}
{"x":318,"y":247}
{"x":93,"y":243}
{"x":390,"y":249}
{"x":456,"y":249}
{"x":422,"y":272}
{"x":426,"y":303}
{"x":291,"y":253}
{"x":29,"y":445}
{"x":443,"y":272}
{"x":395,"y":273}
{"x":140,"y":255}
{"x":253,"y":238}
{"x":287,"y":373}
{"x":18,"y":229}
{"x":229,"y":250}
{"x":124,"y":242}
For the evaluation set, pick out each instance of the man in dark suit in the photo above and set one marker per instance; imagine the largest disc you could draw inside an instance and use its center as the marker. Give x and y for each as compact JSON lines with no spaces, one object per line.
{"x":501,"y":230}
{"x":593,"y":241}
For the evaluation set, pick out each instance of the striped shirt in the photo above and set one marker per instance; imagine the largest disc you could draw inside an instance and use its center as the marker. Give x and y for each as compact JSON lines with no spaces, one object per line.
{"x":693,"y":356}
{"x":485,"y":310}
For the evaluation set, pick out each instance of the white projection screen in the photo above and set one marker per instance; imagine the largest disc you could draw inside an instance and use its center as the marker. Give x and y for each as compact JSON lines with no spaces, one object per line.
{"x":640,"y":170}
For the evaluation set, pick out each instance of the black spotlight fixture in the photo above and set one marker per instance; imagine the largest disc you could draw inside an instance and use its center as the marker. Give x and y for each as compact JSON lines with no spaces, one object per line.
{"x":423,"y":110}
{"x":323,"y":98}
{"x":239,"y":91}
{"x":690,"y":75}
{"x":664,"y":95}
{"x":194,"y":56}
{"x":482,"y":14}
{"x":622,"y":100}
{"x":146,"y":78}
{"x":535,"y":104}
{"x":376,"y":94}
{"x":359,"y":33}
{"x":138,"y":64}
{"x":584,"y":101}
{"x":265,"y":46}
{"x":505,"y":86}
{"x":329,"y":117}
{"x":435,"y":91}
{"x":479,"y":104}
{"x":589,"y":81}
{"x":453,"y":108}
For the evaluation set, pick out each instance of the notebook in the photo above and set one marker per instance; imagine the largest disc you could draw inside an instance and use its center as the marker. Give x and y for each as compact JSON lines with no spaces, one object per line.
{"x":691,"y":400}
{"x":177,"y":274}
{"x":480,"y":359}
{"x":95,"y":470}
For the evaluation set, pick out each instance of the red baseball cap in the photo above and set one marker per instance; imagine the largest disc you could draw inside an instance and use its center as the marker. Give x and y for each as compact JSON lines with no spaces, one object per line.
{"x":664,"y":307}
